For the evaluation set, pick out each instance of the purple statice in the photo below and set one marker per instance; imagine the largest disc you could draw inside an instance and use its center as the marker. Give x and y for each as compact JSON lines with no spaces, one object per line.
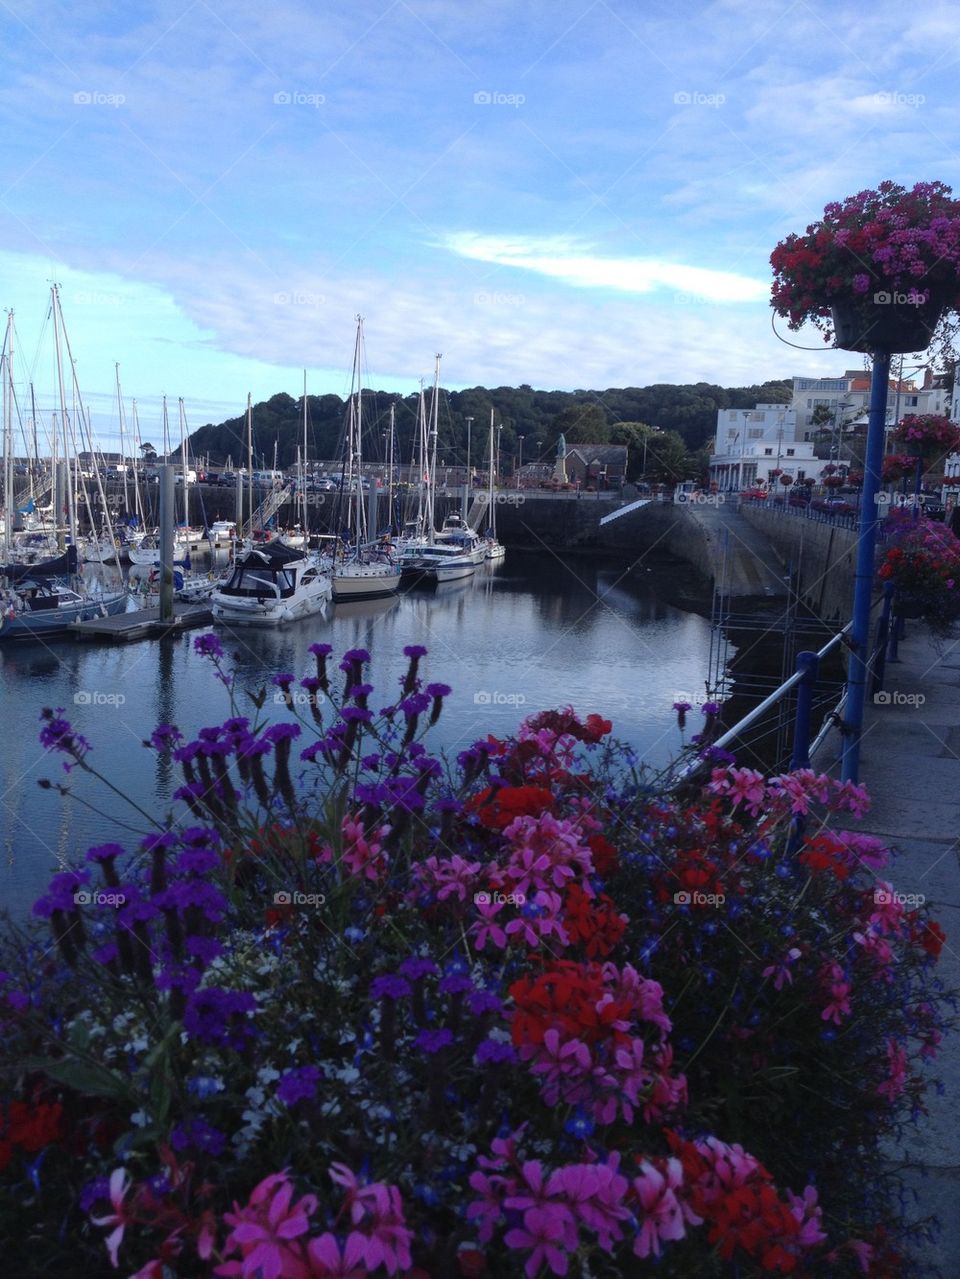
{"x":197,"y":861}
{"x":415,"y":704}
{"x":208,"y":646}
{"x":310,"y":683}
{"x":298,"y":1085}
{"x":357,"y":715}
{"x":370,"y":762}
{"x":434,"y":1041}
{"x":320,"y":650}
{"x":219,"y":1016}
{"x":417,"y":967}
{"x":203,"y":949}
{"x":164,"y":736}
{"x":60,"y":893}
{"x":57,"y":734}
{"x":494,"y":1052}
{"x":710,"y":708}
{"x":354,"y":655}
{"x":165,"y":840}
{"x":415,"y":651}
{"x":197,"y":1134}
{"x":104,"y":853}
{"x":717,"y":755}
{"x":438,"y":690}
{"x":284,"y":680}
{"x":186,"y":754}
{"x":195,"y":893}
{"x":390,"y":986}
{"x":281,"y":733}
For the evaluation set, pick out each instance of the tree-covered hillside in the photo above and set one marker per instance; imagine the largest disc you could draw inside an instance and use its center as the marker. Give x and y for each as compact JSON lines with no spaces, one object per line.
{"x":539,"y":416}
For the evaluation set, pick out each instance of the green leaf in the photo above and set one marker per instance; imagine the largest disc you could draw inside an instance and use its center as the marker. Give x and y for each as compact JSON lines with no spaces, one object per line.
{"x":82,"y":1076}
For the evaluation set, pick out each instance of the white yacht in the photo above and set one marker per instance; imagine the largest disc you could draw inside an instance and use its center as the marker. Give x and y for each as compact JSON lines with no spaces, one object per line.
{"x":269,"y":586}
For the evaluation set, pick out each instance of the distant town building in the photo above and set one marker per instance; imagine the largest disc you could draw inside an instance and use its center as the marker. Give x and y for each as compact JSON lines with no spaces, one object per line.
{"x":599,"y":465}
{"x":843,"y":401}
{"x":755,"y":446}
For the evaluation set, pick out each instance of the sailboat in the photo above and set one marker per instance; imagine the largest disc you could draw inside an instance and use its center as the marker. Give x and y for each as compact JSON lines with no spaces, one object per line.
{"x":493,"y":549}
{"x":437,"y":557}
{"x":360,"y":570}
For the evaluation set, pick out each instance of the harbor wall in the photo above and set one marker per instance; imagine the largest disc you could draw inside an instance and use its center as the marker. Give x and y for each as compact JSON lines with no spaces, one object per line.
{"x":822,"y":556}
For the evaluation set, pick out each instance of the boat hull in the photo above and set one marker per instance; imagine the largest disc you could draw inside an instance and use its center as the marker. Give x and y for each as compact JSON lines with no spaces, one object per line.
{"x":364,"y":586}
{"x":58,"y":621}
{"x":229,"y":611}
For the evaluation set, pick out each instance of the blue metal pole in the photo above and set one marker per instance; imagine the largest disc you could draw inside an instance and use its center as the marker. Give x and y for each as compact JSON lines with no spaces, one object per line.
{"x":807,"y":664}
{"x":863,"y":582}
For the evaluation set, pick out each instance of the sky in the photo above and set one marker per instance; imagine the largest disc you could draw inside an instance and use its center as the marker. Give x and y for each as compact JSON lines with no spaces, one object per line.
{"x":563,"y":193}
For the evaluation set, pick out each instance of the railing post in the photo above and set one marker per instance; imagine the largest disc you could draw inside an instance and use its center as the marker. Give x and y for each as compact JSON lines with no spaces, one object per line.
{"x":883,"y":634}
{"x":893,"y":654}
{"x":807,"y":665}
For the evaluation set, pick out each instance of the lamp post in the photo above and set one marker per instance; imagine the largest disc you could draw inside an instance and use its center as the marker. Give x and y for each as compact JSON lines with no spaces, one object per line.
{"x":499,"y":429}
{"x":469,"y":425}
{"x":520,"y":464}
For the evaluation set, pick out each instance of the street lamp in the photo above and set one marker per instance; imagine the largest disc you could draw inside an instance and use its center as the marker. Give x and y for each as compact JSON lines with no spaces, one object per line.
{"x":469,"y":424}
{"x":497,"y":467}
{"x":520,"y":464}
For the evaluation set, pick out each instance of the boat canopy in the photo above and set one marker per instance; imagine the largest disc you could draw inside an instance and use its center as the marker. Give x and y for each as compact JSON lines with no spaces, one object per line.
{"x":62,"y":566}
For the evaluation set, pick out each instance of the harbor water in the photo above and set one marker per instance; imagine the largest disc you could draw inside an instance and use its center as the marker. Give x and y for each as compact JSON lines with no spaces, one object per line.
{"x":531,"y":633}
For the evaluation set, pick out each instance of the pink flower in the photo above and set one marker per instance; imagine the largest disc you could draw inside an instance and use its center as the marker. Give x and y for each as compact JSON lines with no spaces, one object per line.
{"x":542,"y":1229}
{"x":120,"y":1182}
{"x":486,"y":929}
{"x":262,"y":1231}
{"x":328,"y":1262}
{"x":782,"y":970}
{"x":839,"y":1005}
{"x":489,"y":1207}
{"x":595,"y":1194}
{"x":662,"y":1215}
{"x":806,"y":1210}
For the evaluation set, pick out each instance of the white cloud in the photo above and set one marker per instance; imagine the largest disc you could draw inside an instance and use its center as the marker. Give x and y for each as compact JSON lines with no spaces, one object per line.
{"x":561,"y":259}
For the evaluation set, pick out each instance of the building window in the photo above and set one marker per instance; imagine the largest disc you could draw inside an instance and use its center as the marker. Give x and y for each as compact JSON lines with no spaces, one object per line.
{"x":756,"y":433}
{"x":768,"y":452}
{"x":790,"y":452}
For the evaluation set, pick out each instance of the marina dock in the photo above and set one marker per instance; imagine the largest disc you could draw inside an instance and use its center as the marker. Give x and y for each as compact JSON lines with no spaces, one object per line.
{"x":144,"y":624}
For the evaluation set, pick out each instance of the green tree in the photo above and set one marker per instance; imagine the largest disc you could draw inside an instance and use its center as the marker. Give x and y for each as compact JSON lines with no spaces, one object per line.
{"x":668,"y":459}
{"x":582,"y":424}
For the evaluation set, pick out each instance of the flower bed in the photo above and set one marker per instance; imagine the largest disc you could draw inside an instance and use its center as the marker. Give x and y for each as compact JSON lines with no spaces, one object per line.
{"x":529,"y":1014}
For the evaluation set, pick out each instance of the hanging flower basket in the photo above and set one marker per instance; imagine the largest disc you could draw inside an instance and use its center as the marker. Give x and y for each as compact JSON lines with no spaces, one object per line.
{"x":923,"y":563}
{"x":927,"y":435}
{"x":885,"y":321}
{"x":877,"y":271}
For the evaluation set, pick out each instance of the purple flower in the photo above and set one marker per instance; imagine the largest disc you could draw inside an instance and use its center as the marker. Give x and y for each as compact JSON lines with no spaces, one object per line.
{"x":357,"y":714}
{"x":389,"y":987}
{"x":491,"y":1050}
{"x":208,"y":646}
{"x":298,"y":1085}
{"x":60,"y":894}
{"x":104,"y":852}
{"x":197,"y":1134}
{"x":434,"y":1041}
{"x":438,"y":690}
{"x":710,"y":708}
{"x":417,"y":967}
{"x":414,"y":650}
{"x":283,"y":681}
{"x":58,"y":735}
{"x":455,"y":984}
{"x":218,"y":1016}
{"x":415,"y":704}
{"x":281,"y":733}
{"x":320,"y":650}
{"x":356,"y":655}
{"x":164,"y":735}
{"x":484,"y":1001}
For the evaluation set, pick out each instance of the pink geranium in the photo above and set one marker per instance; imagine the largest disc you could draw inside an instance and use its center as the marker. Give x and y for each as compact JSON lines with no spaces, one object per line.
{"x":549,"y":1234}
{"x":264,"y":1230}
{"x":120,"y":1218}
{"x":662,"y":1216}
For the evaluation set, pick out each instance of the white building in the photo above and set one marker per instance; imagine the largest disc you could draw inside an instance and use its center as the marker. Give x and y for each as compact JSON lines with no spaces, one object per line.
{"x":752,"y":443}
{"x":848,"y":398}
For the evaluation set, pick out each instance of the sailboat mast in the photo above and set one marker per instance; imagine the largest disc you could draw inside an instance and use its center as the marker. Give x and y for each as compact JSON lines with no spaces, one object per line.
{"x":434,"y":417}
{"x":303,"y":465}
{"x":138,"y":502}
{"x":356,"y":446}
{"x":8,"y":505}
{"x":250,"y":457}
{"x":71,"y":509}
{"x":492,"y":512}
{"x":34,"y":460}
{"x":183,"y":463}
{"x":390,"y":465}
{"x":123,"y":460}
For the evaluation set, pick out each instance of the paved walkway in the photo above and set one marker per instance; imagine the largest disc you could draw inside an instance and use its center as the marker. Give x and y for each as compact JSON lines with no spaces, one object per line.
{"x":910,"y":762}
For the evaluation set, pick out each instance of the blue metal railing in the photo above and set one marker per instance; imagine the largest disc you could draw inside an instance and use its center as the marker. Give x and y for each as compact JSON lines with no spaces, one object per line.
{"x":804,"y":680}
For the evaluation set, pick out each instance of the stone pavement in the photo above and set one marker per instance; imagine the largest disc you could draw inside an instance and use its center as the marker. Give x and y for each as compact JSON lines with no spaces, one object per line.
{"x":910,"y":763}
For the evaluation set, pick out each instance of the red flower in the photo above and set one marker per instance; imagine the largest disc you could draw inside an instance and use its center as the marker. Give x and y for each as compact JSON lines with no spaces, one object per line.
{"x":605,"y":857}
{"x":497,"y":809}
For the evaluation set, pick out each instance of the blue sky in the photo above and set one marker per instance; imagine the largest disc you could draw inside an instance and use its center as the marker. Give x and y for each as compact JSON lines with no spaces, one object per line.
{"x":564,"y":194}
